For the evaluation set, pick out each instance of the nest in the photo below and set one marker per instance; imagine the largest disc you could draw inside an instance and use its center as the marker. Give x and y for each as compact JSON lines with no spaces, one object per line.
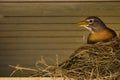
{"x":100,"y":61}
{"x":94,"y":61}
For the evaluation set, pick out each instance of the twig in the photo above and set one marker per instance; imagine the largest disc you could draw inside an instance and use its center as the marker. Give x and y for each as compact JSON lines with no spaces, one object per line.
{"x":17,"y":68}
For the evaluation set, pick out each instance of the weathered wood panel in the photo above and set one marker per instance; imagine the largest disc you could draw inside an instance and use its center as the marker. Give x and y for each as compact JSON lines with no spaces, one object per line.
{"x":37,"y":40}
{"x":51,"y":20}
{"x":60,"y":9}
{"x":29,"y":30}
{"x":45,"y":27}
{"x":59,"y":0}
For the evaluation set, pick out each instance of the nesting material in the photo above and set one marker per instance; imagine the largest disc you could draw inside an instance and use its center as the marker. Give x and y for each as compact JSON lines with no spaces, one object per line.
{"x":100,"y":61}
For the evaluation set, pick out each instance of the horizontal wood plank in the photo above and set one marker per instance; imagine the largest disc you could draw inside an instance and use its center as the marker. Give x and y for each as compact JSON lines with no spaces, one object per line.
{"x":60,"y":9}
{"x":38,"y":46}
{"x":42,"y":34}
{"x":48,"y":27}
{"x":30,"y":40}
{"x":54,"y":20}
{"x":58,"y":0}
{"x":39,"y":27}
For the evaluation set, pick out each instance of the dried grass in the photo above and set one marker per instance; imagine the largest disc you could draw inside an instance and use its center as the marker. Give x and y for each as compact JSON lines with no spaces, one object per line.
{"x":95,"y":61}
{"x":100,"y":61}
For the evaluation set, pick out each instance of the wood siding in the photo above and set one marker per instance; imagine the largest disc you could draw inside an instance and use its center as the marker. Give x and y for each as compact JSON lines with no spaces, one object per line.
{"x":31,"y":30}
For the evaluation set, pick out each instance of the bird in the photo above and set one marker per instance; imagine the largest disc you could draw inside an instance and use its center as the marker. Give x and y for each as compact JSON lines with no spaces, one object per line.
{"x":99,"y":32}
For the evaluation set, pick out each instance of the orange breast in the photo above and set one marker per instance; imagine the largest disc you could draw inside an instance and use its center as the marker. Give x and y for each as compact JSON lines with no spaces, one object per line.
{"x":100,"y":36}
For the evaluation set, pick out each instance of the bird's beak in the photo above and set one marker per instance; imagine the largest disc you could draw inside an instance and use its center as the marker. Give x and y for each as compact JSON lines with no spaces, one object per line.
{"x":84,"y":23}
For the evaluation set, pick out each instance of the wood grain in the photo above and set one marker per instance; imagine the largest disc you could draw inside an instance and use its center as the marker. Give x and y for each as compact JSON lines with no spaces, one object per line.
{"x":29,"y":30}
{"x":52,"y":20}
{"x":60,"y":9}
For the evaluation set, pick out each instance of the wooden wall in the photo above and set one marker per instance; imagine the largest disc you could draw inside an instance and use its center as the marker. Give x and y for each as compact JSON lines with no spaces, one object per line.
{"x":29,"y":30}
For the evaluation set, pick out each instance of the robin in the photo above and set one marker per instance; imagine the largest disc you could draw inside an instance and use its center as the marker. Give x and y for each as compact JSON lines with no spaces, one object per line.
{"x":99,"y":32}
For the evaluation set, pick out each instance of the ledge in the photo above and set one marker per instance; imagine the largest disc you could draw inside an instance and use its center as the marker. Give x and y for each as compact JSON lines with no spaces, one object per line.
{"x":33,"y":78}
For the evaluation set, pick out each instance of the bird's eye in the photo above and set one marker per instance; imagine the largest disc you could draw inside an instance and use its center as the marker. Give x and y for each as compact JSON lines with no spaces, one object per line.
{"x":91,"y":21}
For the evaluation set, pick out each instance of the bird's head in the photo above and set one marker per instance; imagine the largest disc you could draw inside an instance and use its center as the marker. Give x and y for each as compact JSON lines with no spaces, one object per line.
{"x":93,"y":24}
